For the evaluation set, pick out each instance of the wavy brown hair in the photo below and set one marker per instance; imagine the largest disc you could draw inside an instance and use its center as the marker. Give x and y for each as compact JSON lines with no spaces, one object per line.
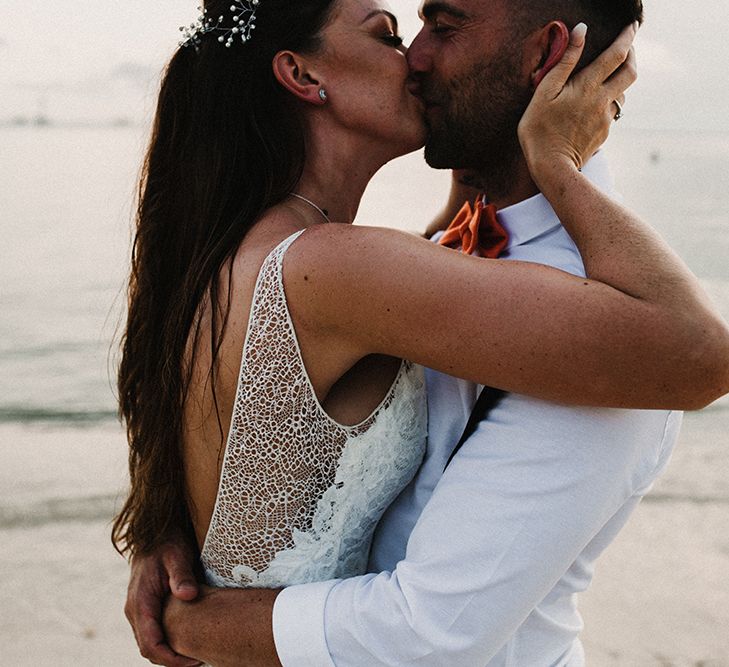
{"x":227,"y":144}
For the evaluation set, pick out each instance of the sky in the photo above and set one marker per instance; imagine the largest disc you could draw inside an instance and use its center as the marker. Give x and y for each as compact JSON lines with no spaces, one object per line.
{"x":89,"y":61}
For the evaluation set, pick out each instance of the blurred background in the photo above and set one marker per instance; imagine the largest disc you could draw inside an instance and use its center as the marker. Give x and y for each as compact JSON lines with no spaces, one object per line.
{"x":77,"y":89}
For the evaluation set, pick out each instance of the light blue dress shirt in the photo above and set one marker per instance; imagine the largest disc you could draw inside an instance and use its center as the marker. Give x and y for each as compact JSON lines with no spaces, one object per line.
{"x":481,"y":565}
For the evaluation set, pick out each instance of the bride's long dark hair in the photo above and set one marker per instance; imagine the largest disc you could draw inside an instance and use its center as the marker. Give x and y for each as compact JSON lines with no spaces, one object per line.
{"x":227,"y":144}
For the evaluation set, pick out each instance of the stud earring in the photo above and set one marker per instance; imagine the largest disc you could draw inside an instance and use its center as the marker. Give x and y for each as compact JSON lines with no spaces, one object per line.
{"x":322,"y":95}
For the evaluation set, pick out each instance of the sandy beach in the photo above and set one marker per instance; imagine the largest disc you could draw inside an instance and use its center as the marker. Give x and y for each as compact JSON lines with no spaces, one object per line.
{"x":660,"y":596}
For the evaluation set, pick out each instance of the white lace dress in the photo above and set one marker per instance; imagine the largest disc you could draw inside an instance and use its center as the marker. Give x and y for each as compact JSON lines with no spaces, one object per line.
{"x":300,"y":494}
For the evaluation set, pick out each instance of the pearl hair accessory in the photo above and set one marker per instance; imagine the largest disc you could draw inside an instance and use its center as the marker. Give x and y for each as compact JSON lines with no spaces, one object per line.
{"x":244,"y":20}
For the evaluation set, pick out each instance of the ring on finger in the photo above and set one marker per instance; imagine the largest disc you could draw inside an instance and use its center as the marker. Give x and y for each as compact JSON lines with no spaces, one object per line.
{"x":619,"y":114}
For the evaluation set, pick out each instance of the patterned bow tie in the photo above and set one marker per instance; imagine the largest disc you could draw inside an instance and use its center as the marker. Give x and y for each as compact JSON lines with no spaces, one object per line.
{"x":476,"y":228}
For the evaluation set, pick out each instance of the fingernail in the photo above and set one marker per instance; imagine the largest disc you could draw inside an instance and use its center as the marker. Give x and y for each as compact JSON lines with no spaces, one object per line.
{"x":580,"y":30}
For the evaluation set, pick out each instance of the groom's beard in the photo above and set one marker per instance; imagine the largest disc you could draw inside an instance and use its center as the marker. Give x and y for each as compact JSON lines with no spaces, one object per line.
{"x":476,"y":126}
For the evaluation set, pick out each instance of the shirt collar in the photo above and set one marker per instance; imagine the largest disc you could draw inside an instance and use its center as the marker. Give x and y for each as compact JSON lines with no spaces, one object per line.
{"x":533,"y":217}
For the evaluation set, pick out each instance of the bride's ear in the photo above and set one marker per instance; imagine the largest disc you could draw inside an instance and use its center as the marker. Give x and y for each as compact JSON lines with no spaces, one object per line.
{"x":292,"y":72}
{"x":553,"y":41}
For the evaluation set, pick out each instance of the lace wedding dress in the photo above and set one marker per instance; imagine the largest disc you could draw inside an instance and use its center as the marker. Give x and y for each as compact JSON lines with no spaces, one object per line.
{"x":300,"y":494}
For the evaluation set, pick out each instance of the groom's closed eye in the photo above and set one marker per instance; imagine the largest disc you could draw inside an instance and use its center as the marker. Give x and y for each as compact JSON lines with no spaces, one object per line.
{"x":442,"y":18}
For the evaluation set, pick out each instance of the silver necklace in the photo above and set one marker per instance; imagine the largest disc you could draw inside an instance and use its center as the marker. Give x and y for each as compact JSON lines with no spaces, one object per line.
{"x":312,"y":204}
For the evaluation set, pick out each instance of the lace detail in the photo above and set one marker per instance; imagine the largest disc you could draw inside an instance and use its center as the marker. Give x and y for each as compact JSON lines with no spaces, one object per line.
{"x":300,"y":495}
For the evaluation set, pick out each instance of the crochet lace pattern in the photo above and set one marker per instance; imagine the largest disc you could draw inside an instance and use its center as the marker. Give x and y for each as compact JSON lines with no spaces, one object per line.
{"x":300,"y":494}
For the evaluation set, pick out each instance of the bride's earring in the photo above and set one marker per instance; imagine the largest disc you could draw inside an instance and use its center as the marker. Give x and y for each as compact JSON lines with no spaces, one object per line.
{"x":322,"y":95}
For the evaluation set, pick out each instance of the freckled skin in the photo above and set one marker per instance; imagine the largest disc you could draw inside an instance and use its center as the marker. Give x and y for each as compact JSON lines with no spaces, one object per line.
{"x":367,"y":79}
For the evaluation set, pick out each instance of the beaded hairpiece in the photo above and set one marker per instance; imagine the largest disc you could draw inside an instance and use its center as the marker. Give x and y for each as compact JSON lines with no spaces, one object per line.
{"x":244,"y":22}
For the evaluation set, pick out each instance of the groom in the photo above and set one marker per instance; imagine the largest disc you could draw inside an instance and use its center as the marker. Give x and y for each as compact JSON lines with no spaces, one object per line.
{"x":477,"y":565}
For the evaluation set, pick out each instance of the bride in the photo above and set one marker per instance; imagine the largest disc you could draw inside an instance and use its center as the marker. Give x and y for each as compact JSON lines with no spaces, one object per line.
{"x":270,"y":413}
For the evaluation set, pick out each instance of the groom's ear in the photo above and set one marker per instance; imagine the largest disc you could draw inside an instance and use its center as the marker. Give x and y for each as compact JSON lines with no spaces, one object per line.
{"x":293,"y":73}
{"x":554,"y":38}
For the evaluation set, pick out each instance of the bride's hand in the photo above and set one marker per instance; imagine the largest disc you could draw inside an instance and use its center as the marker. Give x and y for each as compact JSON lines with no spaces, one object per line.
{"x":569,"y":119}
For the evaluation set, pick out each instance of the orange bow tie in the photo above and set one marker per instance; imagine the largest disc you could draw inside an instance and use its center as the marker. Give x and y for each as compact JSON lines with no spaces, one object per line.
{"x":476,"y":228}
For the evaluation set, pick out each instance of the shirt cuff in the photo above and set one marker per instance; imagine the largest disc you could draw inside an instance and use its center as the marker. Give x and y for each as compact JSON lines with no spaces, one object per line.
{"x":298,"y":625}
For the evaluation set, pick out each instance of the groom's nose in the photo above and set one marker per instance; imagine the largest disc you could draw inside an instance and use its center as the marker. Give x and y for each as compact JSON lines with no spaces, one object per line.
{"x":419,"y":54}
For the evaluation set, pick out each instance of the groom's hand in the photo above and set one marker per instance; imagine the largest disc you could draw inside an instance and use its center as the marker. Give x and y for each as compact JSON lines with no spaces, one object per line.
{"x":166,"y":571}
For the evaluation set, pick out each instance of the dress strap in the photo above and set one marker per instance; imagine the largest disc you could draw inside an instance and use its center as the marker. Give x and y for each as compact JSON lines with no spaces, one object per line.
{"x":280,"y":250}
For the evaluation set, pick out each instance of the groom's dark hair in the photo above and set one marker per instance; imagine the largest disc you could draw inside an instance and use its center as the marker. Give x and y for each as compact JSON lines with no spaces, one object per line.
{"x":605,"y":19}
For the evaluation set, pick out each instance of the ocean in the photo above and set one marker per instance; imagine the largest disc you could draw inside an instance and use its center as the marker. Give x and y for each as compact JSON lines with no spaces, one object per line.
{"x":66,"y":211}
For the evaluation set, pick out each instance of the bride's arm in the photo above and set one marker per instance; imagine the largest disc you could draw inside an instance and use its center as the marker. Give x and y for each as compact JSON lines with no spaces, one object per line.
{"x":638,"y":333}
{"x":617,"y":248}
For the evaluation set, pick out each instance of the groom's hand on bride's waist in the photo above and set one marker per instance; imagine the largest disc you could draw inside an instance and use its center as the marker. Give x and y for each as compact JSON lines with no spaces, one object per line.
{"x":169,"y":570}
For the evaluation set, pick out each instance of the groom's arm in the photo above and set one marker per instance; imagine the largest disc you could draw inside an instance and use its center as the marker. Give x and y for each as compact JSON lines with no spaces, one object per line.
{"x":224,"y":626}
{"x":522,"y":499}
{"x":180,"y":622}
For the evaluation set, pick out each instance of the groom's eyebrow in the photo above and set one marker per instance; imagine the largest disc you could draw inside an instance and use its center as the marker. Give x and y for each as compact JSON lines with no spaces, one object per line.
{"x":429,"y":9}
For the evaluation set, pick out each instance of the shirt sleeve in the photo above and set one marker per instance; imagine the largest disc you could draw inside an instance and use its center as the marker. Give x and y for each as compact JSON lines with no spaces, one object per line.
{"x":518,"y":504}
{"x":298,"y":625}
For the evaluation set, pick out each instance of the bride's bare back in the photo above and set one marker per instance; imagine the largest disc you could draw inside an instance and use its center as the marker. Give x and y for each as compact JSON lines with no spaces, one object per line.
{"x":300,"y":492}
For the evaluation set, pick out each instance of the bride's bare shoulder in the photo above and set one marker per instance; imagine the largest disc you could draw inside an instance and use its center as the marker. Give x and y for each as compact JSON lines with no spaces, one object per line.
{"x":336,"y":248}
{"x":333,"y":268}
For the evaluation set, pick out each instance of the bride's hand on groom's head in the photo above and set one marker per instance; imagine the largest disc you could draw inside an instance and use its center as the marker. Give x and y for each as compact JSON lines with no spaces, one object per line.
{"x":570,"y":117}
{"x":168,"y":571}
